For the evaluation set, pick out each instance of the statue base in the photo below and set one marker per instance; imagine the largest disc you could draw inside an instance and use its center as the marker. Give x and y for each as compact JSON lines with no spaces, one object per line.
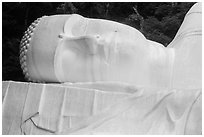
{"x":104,"y":108}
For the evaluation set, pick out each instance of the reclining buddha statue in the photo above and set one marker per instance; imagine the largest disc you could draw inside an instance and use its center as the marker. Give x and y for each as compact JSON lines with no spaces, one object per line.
{"x":162,"y":85}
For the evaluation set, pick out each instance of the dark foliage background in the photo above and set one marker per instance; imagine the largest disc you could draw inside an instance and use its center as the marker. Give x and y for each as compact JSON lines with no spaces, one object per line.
{"x":157,"y":21}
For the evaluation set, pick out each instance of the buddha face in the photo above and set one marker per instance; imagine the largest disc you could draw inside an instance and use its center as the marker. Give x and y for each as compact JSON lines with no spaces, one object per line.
{"x":72,"y":48}
{"x":100,"y":50}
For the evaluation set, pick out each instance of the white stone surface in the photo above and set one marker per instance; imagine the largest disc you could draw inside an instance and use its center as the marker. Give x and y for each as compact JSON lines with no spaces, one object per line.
{"x":99,"y":108}
{"x":117,"y":81}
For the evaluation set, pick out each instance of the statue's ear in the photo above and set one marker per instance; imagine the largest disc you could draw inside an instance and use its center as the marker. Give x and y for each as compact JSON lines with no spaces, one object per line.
{"x":70,"y":54}
{"x":75,"y":25}
{"x":82,"y":44}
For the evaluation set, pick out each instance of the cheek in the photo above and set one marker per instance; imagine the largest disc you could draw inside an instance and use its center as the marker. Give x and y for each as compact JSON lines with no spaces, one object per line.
{"x":68,"y":58}
{"x":70,"y":66}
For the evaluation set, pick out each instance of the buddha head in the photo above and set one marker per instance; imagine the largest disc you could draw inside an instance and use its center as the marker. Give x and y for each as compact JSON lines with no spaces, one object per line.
{"x":72,"y":48}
